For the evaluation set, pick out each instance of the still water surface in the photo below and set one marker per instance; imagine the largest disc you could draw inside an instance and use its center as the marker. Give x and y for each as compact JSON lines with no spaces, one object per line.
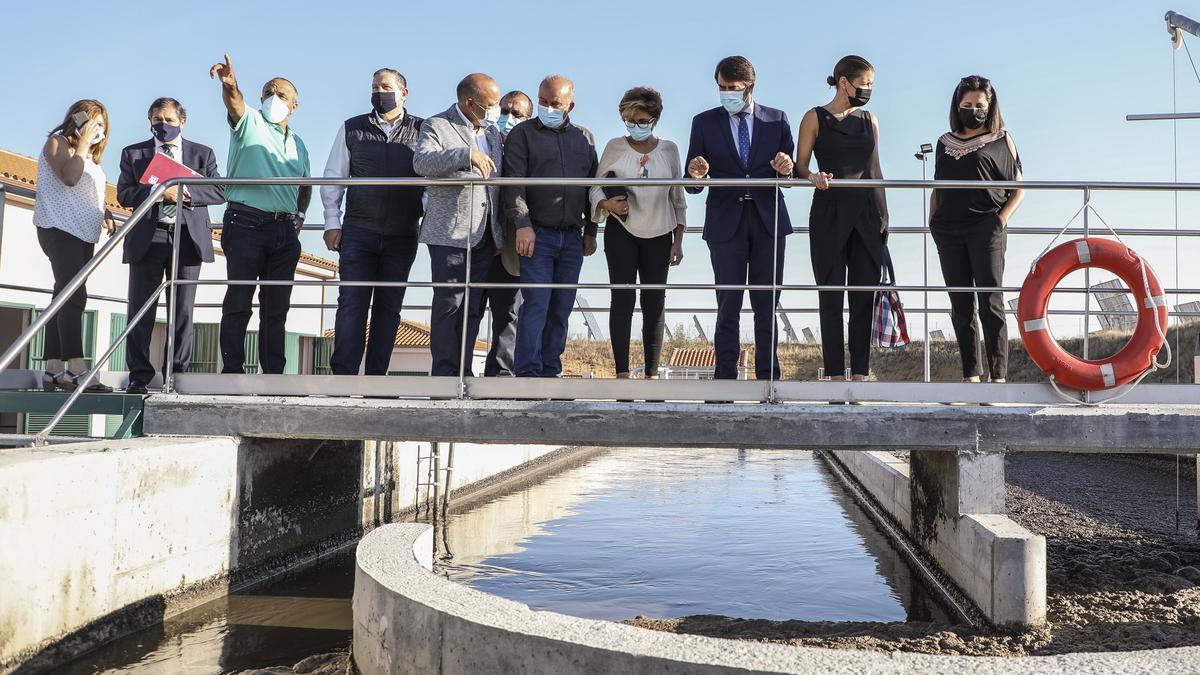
{"x":653,"y":532}
{"x":766,"y":534}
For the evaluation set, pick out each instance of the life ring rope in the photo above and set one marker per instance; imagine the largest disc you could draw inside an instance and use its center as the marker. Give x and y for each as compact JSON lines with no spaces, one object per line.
{"x":1150,"y":301}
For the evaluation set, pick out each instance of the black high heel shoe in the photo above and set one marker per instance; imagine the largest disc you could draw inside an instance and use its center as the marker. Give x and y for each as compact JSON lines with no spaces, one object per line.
{"x":68,"y":381}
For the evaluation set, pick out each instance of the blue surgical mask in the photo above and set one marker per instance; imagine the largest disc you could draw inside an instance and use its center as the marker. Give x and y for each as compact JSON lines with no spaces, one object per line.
{"x":640,"y":132}
{"x":551,"y":117}
{"x":733,"y":101}
{"x":506,"y":123}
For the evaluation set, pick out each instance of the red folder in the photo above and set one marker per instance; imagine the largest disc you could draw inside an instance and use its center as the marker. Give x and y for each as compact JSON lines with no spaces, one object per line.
{"x":163,"y":168}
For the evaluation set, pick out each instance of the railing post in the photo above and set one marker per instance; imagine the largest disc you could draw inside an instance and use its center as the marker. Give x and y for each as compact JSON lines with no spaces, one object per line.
{"x":466,"y":303}
{"x":775,"y":274}
{"x":925,"y":266}
{"x":172,"y":296}
{"x":1087,"y":285}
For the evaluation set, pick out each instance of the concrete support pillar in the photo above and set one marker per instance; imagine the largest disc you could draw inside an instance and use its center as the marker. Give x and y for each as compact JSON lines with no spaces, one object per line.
{"x":958,"y":517}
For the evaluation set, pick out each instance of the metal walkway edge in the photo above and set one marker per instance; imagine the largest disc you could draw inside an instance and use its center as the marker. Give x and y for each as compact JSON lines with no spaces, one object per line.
{"x":1124,"y":428}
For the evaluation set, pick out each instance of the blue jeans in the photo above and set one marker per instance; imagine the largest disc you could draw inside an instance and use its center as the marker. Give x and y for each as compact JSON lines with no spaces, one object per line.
{"x":544,"y":314}
{"x":447,"y":347}
{"x":257,"y":248}
{"x":365,"y":255}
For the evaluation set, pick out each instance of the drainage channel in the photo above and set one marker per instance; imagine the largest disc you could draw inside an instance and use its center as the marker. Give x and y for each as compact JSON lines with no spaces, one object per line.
{"x":621,"y":534}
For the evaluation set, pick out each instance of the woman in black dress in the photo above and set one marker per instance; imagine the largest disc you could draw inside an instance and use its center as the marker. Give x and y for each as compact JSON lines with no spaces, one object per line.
{"x":970,"y":226}
{"x":847,"y":227}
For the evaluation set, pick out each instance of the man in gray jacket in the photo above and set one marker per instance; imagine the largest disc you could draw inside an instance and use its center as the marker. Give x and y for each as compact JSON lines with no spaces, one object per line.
{"x":462,"y":142}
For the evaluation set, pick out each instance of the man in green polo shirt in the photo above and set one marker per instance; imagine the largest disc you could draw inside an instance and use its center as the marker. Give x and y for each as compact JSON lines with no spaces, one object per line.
{"x":260,"y":232}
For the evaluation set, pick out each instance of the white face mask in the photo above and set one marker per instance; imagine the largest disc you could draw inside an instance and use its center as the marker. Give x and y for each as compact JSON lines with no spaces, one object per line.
{"x":98,"y":137}
{"x":491,"y":115}
{"x":274,"y":110}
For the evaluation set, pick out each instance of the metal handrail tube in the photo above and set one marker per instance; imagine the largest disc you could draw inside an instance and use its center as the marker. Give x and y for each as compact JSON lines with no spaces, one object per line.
{"x":79,"y":279}
{"x":665,"y":287}
{"x":94,"y":371}
{"x":913,"y":229}
{"x":747,"y":310}
{"x":1164,"y":186}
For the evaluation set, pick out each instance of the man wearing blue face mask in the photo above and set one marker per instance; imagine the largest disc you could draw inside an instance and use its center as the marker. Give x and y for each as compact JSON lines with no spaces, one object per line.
{"x":745,"y":227}
{"x":554,"y":228}
{"x":148,"y":249}
{"x":260,"y":232}
{"x":377,"y":237}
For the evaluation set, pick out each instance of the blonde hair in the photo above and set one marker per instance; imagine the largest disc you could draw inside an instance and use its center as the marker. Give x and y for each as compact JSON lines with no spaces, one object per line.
{"x":644,"y":99}
{"x":68,"y":128}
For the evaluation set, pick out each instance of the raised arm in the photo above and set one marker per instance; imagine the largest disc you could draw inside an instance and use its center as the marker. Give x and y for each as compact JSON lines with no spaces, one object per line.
{"x":235,"y":105}
{"x":66,"y":163}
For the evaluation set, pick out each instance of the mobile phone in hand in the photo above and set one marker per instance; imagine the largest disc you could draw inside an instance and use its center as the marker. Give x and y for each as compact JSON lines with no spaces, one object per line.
{"x":80,"y":118}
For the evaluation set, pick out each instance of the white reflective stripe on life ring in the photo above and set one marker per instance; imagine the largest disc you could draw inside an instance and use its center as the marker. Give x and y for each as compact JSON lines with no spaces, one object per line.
{"x":1156,"y":301}
{"x":1084,"y":253}
{"x":1106,"y":372}
{"x":1035,"y":324}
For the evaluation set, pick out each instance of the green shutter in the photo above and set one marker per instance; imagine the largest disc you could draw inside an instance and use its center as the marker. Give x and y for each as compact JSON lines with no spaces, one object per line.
{"x":117,"y":324}
{"x":251,"y":346}
{"x":206,"y":348}
{"x":291,"y":353}
{"x":322,"y":353}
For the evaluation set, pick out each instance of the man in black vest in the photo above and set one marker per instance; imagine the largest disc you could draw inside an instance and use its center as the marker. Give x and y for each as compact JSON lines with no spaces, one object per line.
{"x":377,"y":237}
{"x":148,"y":248}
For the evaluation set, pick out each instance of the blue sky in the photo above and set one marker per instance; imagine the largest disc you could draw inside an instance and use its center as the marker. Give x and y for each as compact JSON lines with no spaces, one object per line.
{"x":1067,"y":74}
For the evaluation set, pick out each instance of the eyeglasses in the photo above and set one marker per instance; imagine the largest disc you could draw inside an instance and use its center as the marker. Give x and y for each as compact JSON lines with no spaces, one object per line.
{"x":643,"y":126}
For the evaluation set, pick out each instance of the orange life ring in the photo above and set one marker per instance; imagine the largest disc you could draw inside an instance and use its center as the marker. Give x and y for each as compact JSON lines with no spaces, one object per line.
{"x":1091,"y":375}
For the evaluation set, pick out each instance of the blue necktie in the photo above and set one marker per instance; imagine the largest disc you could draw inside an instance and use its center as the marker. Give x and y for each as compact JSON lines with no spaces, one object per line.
{"x":744,"y":140}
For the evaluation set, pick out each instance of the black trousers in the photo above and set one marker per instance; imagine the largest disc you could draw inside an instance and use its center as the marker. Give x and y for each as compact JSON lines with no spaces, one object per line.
{"x":144,"y":277}
{"x":630,"y":257}
{"x":747,"y":256}
{"x":853,"y":265}
{"x":449,"y":264}
{"x":974,"y":256}
{"x":504,"y":303}
{"x":68,"y":254}
{"x":257,"y":248}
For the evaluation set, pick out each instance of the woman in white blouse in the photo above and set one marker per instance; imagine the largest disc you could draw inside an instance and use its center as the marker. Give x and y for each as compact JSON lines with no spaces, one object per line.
{"x":643,"y":232}
{"x":69,"y":213}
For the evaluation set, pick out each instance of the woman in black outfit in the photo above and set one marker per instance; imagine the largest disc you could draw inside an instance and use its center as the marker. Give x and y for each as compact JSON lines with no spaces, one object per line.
{"x":969,"y":226}
{"x":846,"y":226}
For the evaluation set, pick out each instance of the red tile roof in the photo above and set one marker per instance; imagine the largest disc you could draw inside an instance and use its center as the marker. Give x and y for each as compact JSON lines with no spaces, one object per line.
{"x":21,"y":171}
{"x":411,"y":334}
{"x":700,"y":357}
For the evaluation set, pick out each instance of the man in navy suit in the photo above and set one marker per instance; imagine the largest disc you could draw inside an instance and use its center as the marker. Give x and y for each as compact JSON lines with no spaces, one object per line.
{"x":148,"y":248}
{"x":744,"y":226}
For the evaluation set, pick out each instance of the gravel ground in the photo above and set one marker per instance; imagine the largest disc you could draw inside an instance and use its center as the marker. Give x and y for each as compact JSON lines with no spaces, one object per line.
{"x":1119,"y":575}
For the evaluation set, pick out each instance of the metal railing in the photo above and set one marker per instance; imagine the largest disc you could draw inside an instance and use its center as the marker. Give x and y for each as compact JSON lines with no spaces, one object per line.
{"x":172,"y":284}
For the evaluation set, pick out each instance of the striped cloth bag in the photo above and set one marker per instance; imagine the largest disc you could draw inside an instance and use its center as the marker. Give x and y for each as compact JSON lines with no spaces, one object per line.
{"x":888,"y":327}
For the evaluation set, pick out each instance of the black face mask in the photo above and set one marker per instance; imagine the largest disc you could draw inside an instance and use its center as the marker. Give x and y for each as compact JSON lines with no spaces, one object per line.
{"x":384,"y":101}
{"x":860,"y":97}
{"x":165,"y":133}
{"x":972,"y":118}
